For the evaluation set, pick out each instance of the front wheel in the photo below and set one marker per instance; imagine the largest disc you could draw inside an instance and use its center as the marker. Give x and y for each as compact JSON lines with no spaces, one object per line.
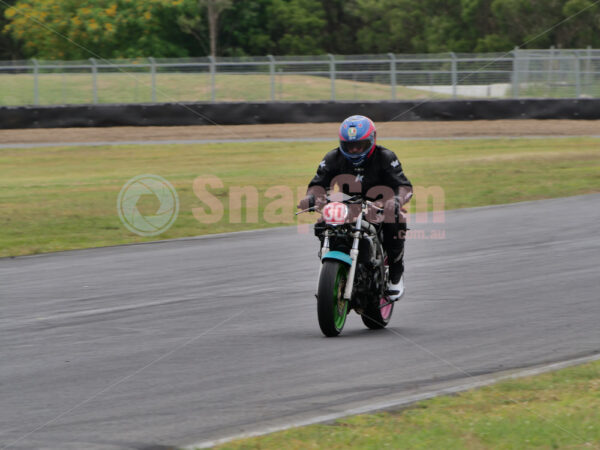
{"x":332,"y":309}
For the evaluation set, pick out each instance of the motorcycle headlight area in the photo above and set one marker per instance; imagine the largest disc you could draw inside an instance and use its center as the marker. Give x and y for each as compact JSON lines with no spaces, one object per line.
{"x":335,"y":213}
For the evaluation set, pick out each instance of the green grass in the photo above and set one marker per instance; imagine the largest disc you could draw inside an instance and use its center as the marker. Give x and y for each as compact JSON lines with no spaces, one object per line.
{"x":554,"y":410}
{"x":65,"y":198}
{"x":560,"y":89}
{"x":136,"y":87}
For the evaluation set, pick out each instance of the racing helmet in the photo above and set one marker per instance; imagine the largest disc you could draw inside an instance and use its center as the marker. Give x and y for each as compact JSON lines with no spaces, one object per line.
{"x":357,"y":139}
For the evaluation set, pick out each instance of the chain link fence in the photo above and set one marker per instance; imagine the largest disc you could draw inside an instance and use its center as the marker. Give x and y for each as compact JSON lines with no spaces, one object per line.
{"x":548,"y":73}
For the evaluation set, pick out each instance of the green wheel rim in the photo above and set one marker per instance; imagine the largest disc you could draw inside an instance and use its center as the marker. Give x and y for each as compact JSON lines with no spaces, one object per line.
{"x":340,"y":306}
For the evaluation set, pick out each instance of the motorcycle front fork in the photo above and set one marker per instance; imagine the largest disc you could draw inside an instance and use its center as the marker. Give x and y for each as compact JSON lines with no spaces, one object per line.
{"x":352,"y":272}
{"x":353,"y":257}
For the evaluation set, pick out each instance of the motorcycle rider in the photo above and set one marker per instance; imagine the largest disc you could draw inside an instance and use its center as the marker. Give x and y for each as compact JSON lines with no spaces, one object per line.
{"x":374,"y":172}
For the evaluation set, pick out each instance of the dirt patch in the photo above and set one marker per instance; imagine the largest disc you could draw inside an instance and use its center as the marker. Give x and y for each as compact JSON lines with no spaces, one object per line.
{"x":385,"y":130}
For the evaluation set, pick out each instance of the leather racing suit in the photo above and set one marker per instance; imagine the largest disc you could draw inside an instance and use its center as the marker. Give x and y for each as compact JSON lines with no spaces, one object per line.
{"x":380,"y":179}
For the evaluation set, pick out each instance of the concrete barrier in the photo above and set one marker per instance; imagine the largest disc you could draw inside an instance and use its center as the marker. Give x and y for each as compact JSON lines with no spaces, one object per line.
{"x":170,"y":114}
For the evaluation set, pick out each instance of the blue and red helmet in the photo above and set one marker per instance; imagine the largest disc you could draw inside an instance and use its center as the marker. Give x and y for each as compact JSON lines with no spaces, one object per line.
{"x":357,"y":139}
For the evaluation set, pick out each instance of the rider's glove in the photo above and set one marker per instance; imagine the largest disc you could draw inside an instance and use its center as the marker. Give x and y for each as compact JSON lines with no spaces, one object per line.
{"x":315,"y":199}
{"x":307,"y":202}
{"x":394,"y":209}
{"x":394,"y":206}
{"x":375,"y":212}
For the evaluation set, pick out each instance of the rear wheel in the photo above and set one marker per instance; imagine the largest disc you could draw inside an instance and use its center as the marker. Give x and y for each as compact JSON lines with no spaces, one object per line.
{"x":332,"y":309}
{"x":377,"y":316}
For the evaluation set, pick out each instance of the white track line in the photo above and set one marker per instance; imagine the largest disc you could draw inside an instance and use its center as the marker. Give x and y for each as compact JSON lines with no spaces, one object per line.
{"x":402,"y":400}
{"x":240,"y":141}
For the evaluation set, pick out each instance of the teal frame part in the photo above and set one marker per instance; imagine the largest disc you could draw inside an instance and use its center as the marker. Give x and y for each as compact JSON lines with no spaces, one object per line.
{"x":343,"y":257}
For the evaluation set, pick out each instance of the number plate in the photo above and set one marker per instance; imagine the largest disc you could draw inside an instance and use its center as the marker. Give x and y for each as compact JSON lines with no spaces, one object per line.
{"x":335,"y":213}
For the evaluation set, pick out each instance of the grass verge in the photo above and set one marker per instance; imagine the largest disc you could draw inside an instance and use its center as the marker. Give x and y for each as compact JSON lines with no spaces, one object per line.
{"x":65,"y":197}
{"x":136,"y":87}
{"x":554,"y":410}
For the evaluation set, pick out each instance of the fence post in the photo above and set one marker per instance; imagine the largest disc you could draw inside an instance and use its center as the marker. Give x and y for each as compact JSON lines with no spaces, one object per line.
{"x":588,"y":68}
{"x":550,"y":77}
{"x":213,"y":71}
{"x":272,"y":75}
{"x":454,"y":75}
{"x":332,"y":74}
{"x":63,"y":86}
{"x":577,"y":75}
{"x":515,"y":80}
{"x":280,"y":84}
{"x":153,"y":74}
{"x":393,"y":74}
{"x":94,"y":80}
{"x":36,"y":85}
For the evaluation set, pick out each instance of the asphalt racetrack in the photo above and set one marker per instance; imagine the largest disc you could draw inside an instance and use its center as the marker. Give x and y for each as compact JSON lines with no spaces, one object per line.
{"x":173,"y":343}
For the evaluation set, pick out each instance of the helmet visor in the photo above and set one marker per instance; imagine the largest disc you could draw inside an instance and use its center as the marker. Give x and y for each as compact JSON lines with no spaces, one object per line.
{"x":356,"y":147}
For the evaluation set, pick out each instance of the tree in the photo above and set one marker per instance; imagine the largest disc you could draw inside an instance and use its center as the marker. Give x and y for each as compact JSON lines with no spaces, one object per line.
{"x":162,"y":28}
{"x":388,"y":26}
{"x":527,"y":22}
{"x":9,"y":48}
{"x":279,"y":27}
{"x":343,"y":26}
{"x":296,"y":27}
{"x":205,"y":12}
{"x":214,"y":8}
{"x":244,"y":29}
{"x":79,"y":29}
{"x":192,"y":21}
{"x":582,"y":28}
{"x":480,"y":28}
{"x":444,"y":28}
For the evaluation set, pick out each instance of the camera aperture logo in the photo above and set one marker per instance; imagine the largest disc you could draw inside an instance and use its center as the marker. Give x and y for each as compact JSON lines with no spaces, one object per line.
{"x":162,"y":219}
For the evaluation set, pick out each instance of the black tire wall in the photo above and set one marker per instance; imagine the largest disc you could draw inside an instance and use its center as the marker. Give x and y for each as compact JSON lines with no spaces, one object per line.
{"x":170,"y":114}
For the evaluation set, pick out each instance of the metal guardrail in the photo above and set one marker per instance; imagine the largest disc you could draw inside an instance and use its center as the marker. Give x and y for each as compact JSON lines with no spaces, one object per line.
{"x":548,"y":73}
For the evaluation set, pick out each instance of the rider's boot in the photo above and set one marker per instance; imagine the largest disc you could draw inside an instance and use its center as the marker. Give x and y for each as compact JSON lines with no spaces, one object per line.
{"x":395,"y":288}
{"x":393,"y":239}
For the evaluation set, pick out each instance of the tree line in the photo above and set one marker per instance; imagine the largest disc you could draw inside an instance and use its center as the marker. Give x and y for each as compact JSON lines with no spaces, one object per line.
{"x":80,"y":29}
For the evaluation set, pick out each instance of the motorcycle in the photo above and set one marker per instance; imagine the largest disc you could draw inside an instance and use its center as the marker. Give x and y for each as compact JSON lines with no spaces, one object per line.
{"x":354,"y":270}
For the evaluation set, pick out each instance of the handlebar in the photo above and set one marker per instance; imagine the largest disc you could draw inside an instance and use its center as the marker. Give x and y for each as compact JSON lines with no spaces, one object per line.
{"x":352,"y":201}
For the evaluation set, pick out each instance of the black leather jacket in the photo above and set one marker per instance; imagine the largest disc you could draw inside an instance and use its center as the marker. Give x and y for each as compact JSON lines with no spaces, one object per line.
{"x":382,"y":168}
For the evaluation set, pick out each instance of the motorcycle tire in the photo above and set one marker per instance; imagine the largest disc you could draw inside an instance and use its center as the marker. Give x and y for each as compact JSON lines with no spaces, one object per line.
{"x":377,"y":317}
{"x":332,"y":309}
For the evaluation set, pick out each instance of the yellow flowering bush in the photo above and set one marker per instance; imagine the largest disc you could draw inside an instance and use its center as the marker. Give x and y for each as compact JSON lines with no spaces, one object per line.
{"x":80,"y":29}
